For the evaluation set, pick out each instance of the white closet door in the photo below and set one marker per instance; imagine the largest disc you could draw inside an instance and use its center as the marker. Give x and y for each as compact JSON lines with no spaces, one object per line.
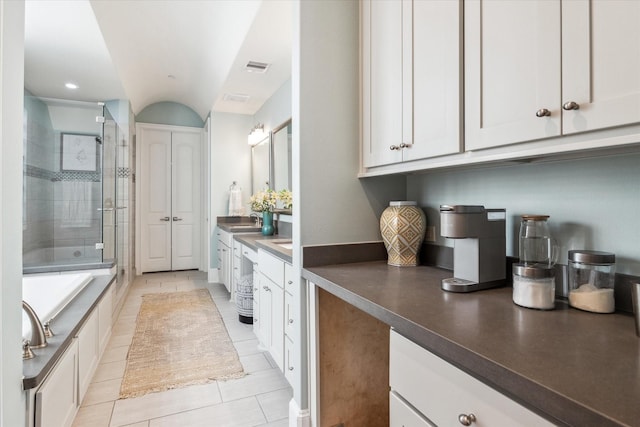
{"x":155,"y":196}
{"x":185,"y":250}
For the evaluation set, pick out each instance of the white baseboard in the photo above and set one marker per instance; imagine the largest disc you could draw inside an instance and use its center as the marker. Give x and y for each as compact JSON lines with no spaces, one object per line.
{"x":298,"y":417}
{"x":213,"y":275}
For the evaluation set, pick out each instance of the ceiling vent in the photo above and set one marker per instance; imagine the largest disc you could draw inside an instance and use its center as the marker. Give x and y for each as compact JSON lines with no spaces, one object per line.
{"x":256,"y":67}
{"x":235,"y":97}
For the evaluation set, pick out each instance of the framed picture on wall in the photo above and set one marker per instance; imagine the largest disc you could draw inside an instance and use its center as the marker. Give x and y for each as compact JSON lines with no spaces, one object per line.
{"x":79,"y":152}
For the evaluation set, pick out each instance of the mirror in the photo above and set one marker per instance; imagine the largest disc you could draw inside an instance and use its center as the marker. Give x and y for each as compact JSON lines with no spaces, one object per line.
{"x":260,"y":161}
{"x":281,"y":146}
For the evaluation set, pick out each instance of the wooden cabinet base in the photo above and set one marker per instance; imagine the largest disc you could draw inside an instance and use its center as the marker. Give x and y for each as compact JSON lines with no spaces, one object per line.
{"x":353,"y":365}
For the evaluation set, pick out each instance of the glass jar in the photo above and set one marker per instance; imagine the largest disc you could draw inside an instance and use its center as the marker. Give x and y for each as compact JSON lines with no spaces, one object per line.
{"x":536,"y":246}
{"x":591,"y":280}
{"x":534,"y":287}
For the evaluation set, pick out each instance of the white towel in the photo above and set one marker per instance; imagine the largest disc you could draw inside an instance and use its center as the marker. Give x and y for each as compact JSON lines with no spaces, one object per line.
{"x":76,"y":204}
{"x":235,"y":202}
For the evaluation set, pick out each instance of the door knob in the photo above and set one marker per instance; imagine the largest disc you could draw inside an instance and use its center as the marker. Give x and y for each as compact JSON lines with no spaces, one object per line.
{"x":175,"y":218}
{"x":543,"y":112}
{"x":570,"y":106}
{"x":166,"y":218}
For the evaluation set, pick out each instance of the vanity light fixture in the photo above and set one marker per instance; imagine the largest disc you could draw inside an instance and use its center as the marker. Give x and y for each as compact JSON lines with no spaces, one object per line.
{"x":71,"y":86}
{"x":256,"y":134}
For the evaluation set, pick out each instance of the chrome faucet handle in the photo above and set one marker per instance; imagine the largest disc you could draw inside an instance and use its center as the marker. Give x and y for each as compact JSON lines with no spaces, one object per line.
{"x":27,"y":353}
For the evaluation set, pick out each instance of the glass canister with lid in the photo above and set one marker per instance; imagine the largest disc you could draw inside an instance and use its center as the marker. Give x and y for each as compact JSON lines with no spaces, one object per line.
{"x":591,"y":280}
{"x":536,"y":246}
{"x":534,"y":287}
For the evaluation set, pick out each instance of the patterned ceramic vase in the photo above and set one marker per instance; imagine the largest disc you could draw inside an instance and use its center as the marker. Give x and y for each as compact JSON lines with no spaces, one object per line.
{"x":402,"y":226}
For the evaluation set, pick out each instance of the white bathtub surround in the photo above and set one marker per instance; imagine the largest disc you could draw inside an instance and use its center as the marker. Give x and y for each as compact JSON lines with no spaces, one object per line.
{"x":49,"y":294}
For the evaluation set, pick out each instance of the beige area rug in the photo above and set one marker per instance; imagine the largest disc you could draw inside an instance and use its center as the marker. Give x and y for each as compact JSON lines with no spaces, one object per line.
{"x":180,"y":339}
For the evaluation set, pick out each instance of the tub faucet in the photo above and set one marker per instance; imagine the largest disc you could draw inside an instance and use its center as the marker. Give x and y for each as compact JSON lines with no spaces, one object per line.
{"x":38,"y":338}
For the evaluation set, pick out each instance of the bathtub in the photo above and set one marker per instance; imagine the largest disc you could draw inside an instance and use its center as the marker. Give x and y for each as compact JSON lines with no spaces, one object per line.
{"x":49,"y":294}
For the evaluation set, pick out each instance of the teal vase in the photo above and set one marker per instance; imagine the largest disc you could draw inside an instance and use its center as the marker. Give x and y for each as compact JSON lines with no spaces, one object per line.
{"x":267,"y":223}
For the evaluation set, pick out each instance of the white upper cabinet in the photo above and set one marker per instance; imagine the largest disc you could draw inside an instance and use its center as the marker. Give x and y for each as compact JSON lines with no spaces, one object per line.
{"x":540,"y":69}
{"x":411,"y":64}
{"x":600,"y":63}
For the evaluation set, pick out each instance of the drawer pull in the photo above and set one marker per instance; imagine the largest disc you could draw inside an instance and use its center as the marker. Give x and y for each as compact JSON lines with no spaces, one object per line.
{"x":291,"y":368}
{"x":290,"y":321}
{"x":290,"y":282}
{"x":543,"y":112}
{"x":571,"y":105}
{"x":466,"y":420}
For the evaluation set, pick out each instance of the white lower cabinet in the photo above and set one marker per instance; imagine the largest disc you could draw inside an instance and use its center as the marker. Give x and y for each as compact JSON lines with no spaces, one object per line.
{"x":403,"y":415}
{"x":59,"y":396}
{"x":56,"y":401}
{"x":443,"y":393}
{"x":88,"y":353}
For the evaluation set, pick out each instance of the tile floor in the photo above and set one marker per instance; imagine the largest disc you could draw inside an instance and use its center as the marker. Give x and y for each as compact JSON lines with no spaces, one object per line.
{"x":261,"y":398}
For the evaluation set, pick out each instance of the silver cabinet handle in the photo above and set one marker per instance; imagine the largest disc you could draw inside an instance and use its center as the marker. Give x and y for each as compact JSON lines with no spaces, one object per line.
{"x":571,"y":106}
{"x":175,"y":218}
{"x":166,"y":218}
{"x":394,"y":147}
{"x":121,"y":207}
{"x":543,"y":112}
{"x":466,"y":420}
{"x":291,"y":368}
{"x":405,"y":145}
{"x":290,"y":321}
{"x":290,"y":282}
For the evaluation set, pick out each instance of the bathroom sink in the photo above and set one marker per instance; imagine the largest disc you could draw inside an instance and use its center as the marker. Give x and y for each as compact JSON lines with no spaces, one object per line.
{"x":287,"y":245}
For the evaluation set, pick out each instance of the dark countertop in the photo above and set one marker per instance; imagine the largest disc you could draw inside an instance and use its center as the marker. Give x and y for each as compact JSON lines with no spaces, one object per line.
{"x":65,"y":326}
{"x":257,"y":241}
{"x":573,"y":367}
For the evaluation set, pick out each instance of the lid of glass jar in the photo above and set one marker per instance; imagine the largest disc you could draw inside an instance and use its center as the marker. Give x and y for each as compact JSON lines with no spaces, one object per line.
{"x":592,"y":257}
{"x":403,"y":203}
{"x":535,"y":217}
{"x":533,"y":271}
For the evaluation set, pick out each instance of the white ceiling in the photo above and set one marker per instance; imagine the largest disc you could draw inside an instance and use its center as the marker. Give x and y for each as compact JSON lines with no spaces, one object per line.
{"x":128,"y":49}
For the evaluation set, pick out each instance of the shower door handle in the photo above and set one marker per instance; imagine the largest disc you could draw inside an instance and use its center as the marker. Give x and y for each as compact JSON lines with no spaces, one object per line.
{"x":175,"y":218}
{"x":121,"y":207}
{"x":166,"y":218}
{"x":105,"y":209}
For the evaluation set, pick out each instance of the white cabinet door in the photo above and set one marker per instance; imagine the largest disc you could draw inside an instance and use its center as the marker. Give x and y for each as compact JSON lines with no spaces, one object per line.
{"x":512,"y":71}
{"x":185,"y":200}
{"x":382,"y":81}
{"x":88,"y":352}
{"x":411,"y":55}
{"x":265,"y":316}
{"x":433,"y":58}
{"x":225,"y":265}
{"x":105,"y":318}
{"x":56,"y":401}
{"x":600,"y":63}
{"x":277,"y":325}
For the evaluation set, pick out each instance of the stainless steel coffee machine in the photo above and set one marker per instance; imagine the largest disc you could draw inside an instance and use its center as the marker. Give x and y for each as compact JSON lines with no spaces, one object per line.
{"x":479,"y":251}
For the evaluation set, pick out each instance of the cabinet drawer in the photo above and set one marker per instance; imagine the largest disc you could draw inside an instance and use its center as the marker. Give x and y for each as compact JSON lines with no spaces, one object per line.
{"x":290,"y":282}
{"x":226,"y":238}
{"x":272,"y":267}
{"x":403,"y":415}
{"x":442,"y":392}
{"x":249,"y":253}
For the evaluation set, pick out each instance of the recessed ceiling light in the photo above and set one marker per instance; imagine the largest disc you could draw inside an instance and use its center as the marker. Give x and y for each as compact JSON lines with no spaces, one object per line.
{"x":235,"y":97}
{"x":71,"y":86}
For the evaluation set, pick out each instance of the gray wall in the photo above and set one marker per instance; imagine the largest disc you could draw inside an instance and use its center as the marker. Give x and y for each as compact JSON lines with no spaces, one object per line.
{"x":170,"y":113}
{"x":593,"y":203}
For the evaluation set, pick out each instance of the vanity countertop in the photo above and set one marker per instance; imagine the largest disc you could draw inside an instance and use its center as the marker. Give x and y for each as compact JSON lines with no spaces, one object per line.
{"x":269,"y":243}
{"x":573,"y":367}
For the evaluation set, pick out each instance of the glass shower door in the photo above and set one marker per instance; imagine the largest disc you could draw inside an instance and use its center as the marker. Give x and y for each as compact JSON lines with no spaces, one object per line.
{"x":109,"y":165}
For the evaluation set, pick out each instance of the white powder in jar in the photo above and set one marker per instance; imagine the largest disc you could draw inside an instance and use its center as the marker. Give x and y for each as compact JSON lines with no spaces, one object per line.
{"x":538,"y":293}
{"x":588,"y":297}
